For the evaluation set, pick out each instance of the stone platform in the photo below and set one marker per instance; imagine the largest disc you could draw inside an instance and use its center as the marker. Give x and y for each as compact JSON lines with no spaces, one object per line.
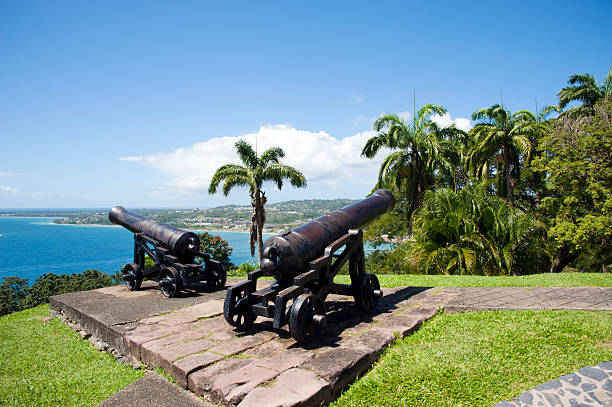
{"x":190,"y":340}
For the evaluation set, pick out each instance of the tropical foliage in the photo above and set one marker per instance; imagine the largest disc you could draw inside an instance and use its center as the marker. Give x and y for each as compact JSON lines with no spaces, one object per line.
{"x":499,"y":142}
{"x":578,"y":161}
{"x":585,"y":90}
{"x":520,"y":193}
{"x":470,"y":232}
{"x":252,"y":174}
{"x":423,"y":153}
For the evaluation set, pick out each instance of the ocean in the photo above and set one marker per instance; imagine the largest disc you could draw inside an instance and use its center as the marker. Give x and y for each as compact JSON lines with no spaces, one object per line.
{"x":30,"y":247}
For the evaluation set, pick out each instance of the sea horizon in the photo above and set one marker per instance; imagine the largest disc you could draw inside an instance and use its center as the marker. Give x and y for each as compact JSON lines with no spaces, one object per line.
{"x":30,"y":247}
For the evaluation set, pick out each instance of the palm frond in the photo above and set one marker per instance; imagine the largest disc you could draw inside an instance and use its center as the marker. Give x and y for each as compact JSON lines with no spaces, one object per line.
{"x":233,"y":181}
{"x":271,"y":155}
{"x":224,"y":172}
{"x":246,"y":154}
{"x":280,"y":172}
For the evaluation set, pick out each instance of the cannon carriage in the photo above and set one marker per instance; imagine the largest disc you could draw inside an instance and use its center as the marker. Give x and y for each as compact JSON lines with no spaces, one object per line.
{"x":304,"y":262}
{"x":173,"y":252}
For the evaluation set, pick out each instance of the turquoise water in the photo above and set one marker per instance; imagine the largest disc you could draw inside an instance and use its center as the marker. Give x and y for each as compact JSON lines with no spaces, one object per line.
{"x":30,"y":247}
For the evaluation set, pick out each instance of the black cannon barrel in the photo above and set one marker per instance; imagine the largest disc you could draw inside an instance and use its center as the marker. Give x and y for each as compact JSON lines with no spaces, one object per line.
{"x":179,"y":242}
{"x":287,"y":255}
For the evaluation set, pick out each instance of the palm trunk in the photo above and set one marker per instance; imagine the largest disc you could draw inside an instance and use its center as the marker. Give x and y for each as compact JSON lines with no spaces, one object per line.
{"x":260,"y":218}
{"x":509,"y":177}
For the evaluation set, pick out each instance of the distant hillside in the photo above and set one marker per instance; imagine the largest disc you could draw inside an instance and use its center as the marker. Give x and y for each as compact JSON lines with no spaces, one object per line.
{"x":281,"y":215}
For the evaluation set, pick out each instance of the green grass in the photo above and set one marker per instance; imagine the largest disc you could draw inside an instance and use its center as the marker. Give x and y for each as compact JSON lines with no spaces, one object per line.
{"x":478,"y":359}
{"x":532,"y":280}
{"x":47,"y":364}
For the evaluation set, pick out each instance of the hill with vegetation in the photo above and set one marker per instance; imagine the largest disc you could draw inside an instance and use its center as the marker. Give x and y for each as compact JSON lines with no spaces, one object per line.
{"x":279,"y":216}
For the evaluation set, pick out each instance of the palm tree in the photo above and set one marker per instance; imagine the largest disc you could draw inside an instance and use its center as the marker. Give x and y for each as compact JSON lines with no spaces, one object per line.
{"x":499,"y":142}
{"x":424,"y":151}
{"x":533,"y":186}
{"x":253,"y":173}
{"x":584,"y":90}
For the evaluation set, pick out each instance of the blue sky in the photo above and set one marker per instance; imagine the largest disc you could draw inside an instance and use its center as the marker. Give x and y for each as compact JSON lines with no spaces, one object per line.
{"x":136,"y":103}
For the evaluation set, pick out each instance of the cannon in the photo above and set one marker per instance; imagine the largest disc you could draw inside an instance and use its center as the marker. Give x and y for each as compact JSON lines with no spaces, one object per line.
{"x":173,"y":252}
{"x":304,"y":262}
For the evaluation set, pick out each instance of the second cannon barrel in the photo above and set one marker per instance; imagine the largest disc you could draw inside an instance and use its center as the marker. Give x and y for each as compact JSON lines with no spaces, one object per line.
{"x":287,"y":255}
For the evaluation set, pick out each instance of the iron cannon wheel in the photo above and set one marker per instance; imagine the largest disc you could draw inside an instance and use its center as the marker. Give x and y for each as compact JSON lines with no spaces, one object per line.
{"x":367,"y":293}
{"x":307,"y":318}
{"x":218,"y":279}
{"x":240,"y":315}
{"x":132,"y":276}
{"x":170,"y":282}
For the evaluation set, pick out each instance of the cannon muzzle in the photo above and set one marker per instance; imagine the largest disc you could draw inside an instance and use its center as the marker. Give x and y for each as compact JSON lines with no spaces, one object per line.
{"x":179,"y":242}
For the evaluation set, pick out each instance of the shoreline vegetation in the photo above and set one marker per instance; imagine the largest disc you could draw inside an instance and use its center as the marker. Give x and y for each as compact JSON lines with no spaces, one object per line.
{"x":228,"y":218}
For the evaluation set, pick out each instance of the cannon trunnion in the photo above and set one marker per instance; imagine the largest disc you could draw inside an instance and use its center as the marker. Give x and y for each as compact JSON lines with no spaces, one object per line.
{"x":173,"y":252}
{"x":304,"y":262}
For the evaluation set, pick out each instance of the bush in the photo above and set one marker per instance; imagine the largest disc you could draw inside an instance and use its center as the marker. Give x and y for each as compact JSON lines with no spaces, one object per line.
{"x":218,"y":248}
{"x":15,"y":295}
{"x":388,"y":261}
{"x":243,"y":269}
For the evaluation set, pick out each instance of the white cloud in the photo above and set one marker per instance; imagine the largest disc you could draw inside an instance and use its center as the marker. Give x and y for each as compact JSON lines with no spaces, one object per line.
{"x":7,"y":174}
{"x":8,"y":189}
{"x":323,"y":159}
{"x":131,"y":159}
{"x":445,"y":120}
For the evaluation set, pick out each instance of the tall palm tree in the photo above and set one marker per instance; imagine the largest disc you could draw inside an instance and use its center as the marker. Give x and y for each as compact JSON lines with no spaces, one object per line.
{"x":499,"y":142}
{"x":533,"y":186}
{"x":253,"y":173}
{"x":423,"y":151}
{"x":586,"y":90}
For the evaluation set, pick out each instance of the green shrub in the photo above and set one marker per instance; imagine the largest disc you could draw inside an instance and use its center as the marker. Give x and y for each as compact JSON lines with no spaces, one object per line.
{"x":243,"y":269}
{"x":388,"y":261}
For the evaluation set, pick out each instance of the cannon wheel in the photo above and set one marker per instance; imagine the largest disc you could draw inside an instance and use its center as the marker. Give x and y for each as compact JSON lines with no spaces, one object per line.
{"x":132,"y":276}
{"x":307,"y":318}
{"x":218,"y":279}
{"x":367,"y":293}
{"x":238,"y":313}
{"x":170,"y":282}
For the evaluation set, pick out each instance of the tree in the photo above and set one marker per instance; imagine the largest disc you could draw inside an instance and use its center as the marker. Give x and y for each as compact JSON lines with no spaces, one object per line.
{"x":253,"y":173}
{"x":577,"y":160}
{"x":424,"y":151}
{"x":499,"y":142}
{"x":584,"y":89}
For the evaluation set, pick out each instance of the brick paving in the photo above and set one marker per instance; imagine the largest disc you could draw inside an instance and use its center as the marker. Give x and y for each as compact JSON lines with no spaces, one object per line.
{"x":190,"y":340}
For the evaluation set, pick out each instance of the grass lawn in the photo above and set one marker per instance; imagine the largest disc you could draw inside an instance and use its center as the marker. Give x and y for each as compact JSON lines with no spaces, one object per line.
{"x":460,"y":359}
{"x":478,"y":359}
{"x":47,"y":364}
{"x":533,"y":280}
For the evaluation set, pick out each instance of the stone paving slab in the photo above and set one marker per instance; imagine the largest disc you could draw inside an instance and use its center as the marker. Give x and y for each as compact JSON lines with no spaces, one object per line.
{"x":530,"y":298}
{"x":190,"y":340}
{"x":153,"y":390}
{"x":588,"y":387}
